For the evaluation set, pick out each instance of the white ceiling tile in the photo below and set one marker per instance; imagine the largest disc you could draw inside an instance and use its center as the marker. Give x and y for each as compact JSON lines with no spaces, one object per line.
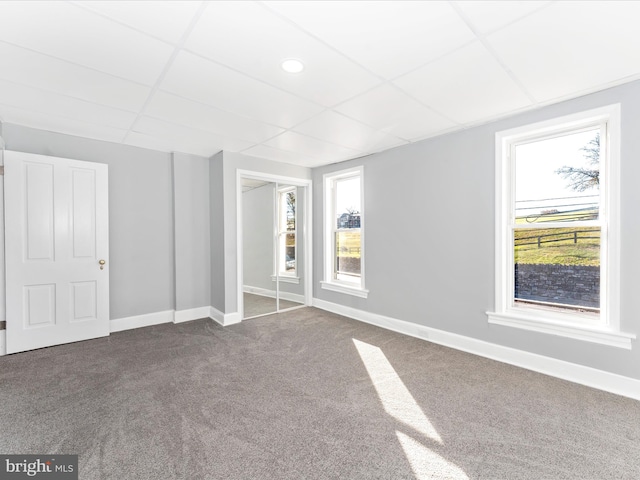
{"x":295,"y":142}
{"x":491,"y":15}
{"x":571,"y":47}
{"x":388,"y":109}
{"x":59,"y":124}
{"x":21,"y":96}
{"x":335,"y":128}
{"x":197,"y":115}
{"x":207,"y":82}
{"x":277,"y":155}
{"x":467,"y":86}
{"x":164,"y":19}
{"x":389,"y":38}
{"x":178,"y":134}
{"x":164,"y":144}
{"x":71,"y":33}
{"x":23,"y":66}
{"x":63,"y":67}
{"x":258,"y":43}
{"x":251,"y":183}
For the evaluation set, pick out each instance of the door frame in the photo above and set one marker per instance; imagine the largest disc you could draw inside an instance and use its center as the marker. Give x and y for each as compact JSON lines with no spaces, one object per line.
{"x":306,"y":225}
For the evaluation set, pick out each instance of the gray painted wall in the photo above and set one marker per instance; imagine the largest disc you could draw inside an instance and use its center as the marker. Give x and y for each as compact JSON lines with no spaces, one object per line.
{"x":3,"y":303}
{"x":440,"y":189}
{"x":140,"y":215}
{"x":192,"y":241}
{"x":258,"y":239}
{"x":216,"y":235}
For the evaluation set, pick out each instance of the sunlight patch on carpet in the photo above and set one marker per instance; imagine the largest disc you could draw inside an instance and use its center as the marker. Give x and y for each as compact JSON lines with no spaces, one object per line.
{"x":427,"y":464}
{"x":394,"y":395}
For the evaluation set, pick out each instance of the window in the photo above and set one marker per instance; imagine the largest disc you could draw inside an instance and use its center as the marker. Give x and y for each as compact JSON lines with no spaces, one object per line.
{"x":344,"y":232}
{"x":557,"y":246}
{"x":287,"y":232}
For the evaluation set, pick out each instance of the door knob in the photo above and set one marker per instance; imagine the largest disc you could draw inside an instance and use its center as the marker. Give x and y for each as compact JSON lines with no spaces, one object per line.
{"x":101,"y":262}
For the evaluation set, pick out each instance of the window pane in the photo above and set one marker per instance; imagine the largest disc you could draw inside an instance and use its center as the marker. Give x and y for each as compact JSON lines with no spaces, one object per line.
{"x":558,"y":179}
{"x":287,"y":212}
{"x":348,"y":256}
{"x":290,"y":211}
{"x":290,"y":253}
{"x":348,"y":203}
{"x":558,"y":266}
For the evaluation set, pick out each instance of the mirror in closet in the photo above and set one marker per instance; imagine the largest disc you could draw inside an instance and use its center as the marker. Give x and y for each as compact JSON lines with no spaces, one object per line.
{"x":272,"y":247}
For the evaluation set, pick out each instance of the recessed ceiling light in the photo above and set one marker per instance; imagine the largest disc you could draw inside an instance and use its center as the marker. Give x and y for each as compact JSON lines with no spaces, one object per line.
{"x":292,"y":65}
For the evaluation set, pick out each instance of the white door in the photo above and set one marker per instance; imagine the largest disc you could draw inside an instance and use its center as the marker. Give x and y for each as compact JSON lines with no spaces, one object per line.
{"x":57,"y":248}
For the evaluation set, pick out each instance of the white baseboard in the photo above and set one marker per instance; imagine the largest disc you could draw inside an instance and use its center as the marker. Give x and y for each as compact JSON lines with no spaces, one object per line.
{"x":157,"y":318}
{"x":258,"y":291}
{"x":224,"y":319}
{"x":591,"y":377}
{"x":292,"y":297}
{"x":191,"y":314}
{"x":173,"y":316}
{"x":137,"y":321}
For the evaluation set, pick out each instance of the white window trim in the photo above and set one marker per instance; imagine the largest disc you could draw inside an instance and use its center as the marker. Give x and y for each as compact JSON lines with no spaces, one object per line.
{"x":286,"y":276}
{"x":329,"y":283}
{"x":607,"y":330}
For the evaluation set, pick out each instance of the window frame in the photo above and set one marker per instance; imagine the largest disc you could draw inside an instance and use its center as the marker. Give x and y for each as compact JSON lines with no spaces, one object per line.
{"x":290,"y":277}
{"x":330,"y":282}
{"x":569,"y":324}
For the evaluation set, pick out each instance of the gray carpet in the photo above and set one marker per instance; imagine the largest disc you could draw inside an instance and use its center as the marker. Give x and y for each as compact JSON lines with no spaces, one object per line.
{"x":261,"y":305}
{"x":305,"y":395}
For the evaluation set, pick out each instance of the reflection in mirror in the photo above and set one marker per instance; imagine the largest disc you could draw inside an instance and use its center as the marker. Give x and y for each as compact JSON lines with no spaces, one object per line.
{"x":289,"y":252}
{"x":258,"y":211}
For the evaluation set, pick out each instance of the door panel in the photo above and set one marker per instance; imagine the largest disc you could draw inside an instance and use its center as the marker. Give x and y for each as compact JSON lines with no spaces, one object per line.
{"x":83,"y":212}
{"x":39,"y":305}
{"x":83,"y":301}
{"x":56,"y":232}
{"x":37,"y":184}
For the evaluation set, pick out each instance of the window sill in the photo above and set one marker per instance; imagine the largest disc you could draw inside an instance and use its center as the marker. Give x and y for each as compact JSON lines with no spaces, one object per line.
{"x":347,"y":289}
{"x":587,"y":333}
{"x":286,"y":279}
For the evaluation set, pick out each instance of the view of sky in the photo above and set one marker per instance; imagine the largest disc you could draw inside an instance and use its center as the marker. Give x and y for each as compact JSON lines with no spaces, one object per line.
{"x":347,"y":195}
{"x":538,"y":185}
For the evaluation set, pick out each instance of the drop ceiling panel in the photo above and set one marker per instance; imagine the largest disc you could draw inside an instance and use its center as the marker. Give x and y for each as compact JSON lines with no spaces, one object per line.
{"x":205,"y":81}
{"x":467,"y":86}
{"x":167,"y":20}
{"x":571,"y":47}
{"x":164,"y":144}
{"x":252,"y":184}
{"x":258,"y":44}
{"x":40,"y":71}
{"x":491,"y":15}
{"x":199,"y":116}
{"x":311,"y":147}
{"x":389,"y":38}
{"x":33,"y":99}
{"x":333,"y":127}
{"x":88,"y":68}
{"x":71,"y":33}
{"x":179,"y":134}
{"x":388,"y":109}
{"x":60,"y":124}
{"x":278,"y":155}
